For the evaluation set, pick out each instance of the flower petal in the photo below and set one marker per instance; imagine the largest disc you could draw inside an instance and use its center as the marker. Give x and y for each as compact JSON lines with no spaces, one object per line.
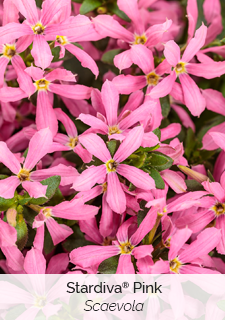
{"x":130,"y":144}
{"x":92,"y":255}
{"x":89,"y":178}
{"x":8,"y":187}
{"x":192,"y":95}
{"x":115,"y":194}
{"x":58,"y":232}
{"x":41,"y":52}
{"x":195,"y":44}
{"x":39,"y":146}
{"x":164,"y":87}
{"x":35,"y":189}
{"x":125,"y":266}
{"x":136,"y":176}
{"x":172,"y":53}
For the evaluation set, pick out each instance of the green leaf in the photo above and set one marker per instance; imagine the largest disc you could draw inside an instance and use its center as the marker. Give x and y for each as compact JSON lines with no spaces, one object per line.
{"x":113,"y":145}
{"x":109,"y":266}
{"x":78,"y":45}
{"x":76,"y":240}
{"x":190,"y":142}
{"x":22,"y":232}
{"x":48,"y":243}
{"x":113,"y":7}
{"x":108,"y":57}
{"x":5,"y":204}
{"x":210,"y":176}
{"x":159,"y":183}
{"x":157,"y":132}
{"x":29,"y":215}
{"x":56,"y":199}
{"x":15,"y":312}
{"x":89,"y":5}
{"x":141,"y":149}
{"x":78,"y":1}
{"x":159,"y":161}
{"x":142,"y":212}
{"x":193,"y":185}
{"x":221,"y":304}
{"x":52,"y":183}
{"x":139,"y":160}
{"x":25,"y":153}
{"x":3,"y":176}
{"x":55,"y":53}
{"x":165,"y":105}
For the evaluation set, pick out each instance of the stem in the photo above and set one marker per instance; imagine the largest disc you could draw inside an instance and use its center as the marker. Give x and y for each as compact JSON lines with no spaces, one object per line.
{"x":153,"y":231}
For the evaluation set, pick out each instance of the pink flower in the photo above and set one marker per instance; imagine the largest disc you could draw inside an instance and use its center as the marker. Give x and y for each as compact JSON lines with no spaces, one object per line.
{"x":107,"y":121}
{"x":125,"y":245}
{"x":72,"y":210}
{"x":143,"y":58}
{"x":113,"y":166}
{"x":192,"y":95}
{"x":184,"y":259}
{"x":70,"y":141}
{"x":38,"y":29}
{"x":39,"y":146}
{"x":44,"y":85}
{"x":139,"y":33}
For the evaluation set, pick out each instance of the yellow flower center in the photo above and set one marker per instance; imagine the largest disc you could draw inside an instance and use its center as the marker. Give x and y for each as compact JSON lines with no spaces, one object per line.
{"x":126,"y":248}
{"x":114,"y":129}
{"x":9,"y":50}
{"x":111,"y":165}
{"x":73,"y":142}
{"x":140,"y":39}
{"x":175,"y":265}
{"x":42,"y":84}
{"x":47,"y":212}
{"x":219,"y":208}
{"x":180,"y":68}
{"x":38,"y":28}
{"x":62,"y":40}
{"x":40,"y":302}
{"x":152,"y":79}
{"x":24,"y":175}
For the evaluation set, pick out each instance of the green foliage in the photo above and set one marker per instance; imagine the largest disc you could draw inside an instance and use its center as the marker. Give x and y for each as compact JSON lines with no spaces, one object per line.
{"x":5,"y":204}
{"x":109,"y":266}
{"x":113,"y":145}
{"x":159,"y":161}
{"x":48,"y":243}
{"x":193,"y":185}
{"x":109,"y":56}
{"x":15,"y":312}
{"x":159,"y":183}
{"x":89,"y":5}
{"x":221,"y":304}
{"x":55,"y":53}
{"x":157,"y":132}
{"x":114,"y":9}
{"x":22,"y":231}
{"x":76,"y":240}
{"x":52,"y":183}
{"x":142,"y":212}
{"x":165,"y":105}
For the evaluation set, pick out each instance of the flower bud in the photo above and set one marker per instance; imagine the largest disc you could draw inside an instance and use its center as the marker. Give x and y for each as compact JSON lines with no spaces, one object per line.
{"x":193,"y":174}
{"x":11,"y":216}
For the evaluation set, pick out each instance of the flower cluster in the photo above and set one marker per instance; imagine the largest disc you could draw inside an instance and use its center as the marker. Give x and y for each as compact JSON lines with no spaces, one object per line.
{"x":112,"y":124}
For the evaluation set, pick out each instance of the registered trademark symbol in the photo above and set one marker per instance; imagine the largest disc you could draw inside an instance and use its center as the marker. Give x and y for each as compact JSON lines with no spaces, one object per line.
{"x":125,"y":284}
